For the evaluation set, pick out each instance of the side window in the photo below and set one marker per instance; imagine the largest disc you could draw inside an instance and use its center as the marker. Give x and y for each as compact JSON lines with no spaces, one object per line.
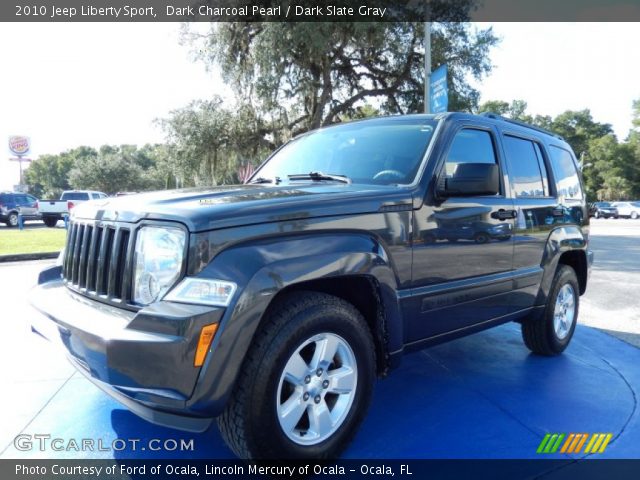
{"x":525,"y":167}
{"x":566,"y":174}
{"x":31,"y":199}
{"x":22,"y":200}
{"x":470,"y":146}
{"x":94,"y":196}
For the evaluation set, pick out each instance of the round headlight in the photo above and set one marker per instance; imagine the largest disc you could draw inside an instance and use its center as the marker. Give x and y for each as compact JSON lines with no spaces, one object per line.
{"x":159,"y":256}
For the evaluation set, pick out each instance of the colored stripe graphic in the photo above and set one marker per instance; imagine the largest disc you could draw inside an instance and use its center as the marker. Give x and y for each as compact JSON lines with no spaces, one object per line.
{"x":556,"y":445}
{"x":568,"y":442}
{"x":543,"y":443}
{"x":573,"y":442}
{"x":550,"y":443}
{"x":607,"y":439}
{"x":581,"y":443}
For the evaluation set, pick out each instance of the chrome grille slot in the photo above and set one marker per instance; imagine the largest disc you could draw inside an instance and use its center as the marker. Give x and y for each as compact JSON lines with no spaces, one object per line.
{"x":98,"y":260}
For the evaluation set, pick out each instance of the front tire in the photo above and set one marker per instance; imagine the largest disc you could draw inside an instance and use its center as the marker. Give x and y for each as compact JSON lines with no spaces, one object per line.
{"x":550,"y":334}
{"x":306,"y":382}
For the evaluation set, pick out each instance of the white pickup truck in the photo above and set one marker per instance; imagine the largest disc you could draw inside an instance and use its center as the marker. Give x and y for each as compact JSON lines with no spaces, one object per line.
{"x":54,"y":210}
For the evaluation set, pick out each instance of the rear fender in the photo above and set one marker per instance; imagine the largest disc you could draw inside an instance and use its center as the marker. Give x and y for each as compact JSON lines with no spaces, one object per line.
{"x":561,"y":240}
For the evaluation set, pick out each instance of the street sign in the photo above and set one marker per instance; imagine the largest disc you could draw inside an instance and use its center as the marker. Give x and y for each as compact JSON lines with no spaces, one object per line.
{"x":438,"y":91}
{"x":19,"y":145}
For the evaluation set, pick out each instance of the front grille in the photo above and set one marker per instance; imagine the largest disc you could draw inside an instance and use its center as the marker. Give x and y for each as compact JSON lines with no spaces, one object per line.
{"x":98,"y":260}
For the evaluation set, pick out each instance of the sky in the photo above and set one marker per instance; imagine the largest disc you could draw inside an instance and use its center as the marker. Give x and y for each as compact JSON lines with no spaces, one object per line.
{"x":72,"y":84}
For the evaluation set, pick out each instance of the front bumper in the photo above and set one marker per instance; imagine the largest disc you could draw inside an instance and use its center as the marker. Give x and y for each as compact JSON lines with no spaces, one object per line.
{"x":143,"y":359}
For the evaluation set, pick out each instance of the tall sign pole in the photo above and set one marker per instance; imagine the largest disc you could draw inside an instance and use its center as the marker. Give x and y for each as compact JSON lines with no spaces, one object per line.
{"x":427,"y":63}
{"x":20,"y":146}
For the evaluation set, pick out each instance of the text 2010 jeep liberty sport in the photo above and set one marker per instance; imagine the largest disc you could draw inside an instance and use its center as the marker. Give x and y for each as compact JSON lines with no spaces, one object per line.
{"x":274,"y":305}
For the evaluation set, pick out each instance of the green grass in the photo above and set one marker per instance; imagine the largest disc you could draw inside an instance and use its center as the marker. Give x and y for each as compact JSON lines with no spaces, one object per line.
{"x":31,"y":240}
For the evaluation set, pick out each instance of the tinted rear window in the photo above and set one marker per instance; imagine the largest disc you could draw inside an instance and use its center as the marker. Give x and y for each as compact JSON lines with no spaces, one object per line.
{"x":566,"y":174}
{"x":75,"y":196}
{"x":524,"y":167}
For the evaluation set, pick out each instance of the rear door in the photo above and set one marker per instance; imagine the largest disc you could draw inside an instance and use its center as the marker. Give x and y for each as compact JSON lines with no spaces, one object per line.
{"x":527,"y":161}
{"x":463,"y":246}
{"x":27,"y":205}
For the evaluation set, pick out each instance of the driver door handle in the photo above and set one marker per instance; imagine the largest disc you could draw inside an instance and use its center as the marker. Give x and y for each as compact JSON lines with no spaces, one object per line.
{"x":503,"y":214}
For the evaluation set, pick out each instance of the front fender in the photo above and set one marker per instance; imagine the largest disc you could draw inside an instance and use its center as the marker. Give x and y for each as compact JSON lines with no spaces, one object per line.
{"x":262,"y":269}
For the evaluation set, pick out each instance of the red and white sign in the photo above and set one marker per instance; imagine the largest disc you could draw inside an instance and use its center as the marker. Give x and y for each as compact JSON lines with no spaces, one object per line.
{"x":19,"y":145}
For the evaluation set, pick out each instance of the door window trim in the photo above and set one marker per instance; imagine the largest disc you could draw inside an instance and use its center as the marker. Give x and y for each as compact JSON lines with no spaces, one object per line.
{"x":550,"y":182}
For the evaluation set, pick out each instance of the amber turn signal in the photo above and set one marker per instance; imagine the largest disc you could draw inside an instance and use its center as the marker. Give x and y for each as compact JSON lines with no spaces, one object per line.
{"x":204,"y":342}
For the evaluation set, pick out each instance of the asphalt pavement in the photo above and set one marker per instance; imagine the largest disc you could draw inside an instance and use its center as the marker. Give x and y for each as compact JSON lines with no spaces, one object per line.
{"x":483,"y":396}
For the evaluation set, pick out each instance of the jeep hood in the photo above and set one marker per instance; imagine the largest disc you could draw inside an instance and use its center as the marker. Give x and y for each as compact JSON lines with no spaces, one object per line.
{"x":209,"y":208}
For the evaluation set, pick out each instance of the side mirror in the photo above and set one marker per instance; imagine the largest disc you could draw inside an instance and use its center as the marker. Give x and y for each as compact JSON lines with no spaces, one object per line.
{"x":472,"y":179}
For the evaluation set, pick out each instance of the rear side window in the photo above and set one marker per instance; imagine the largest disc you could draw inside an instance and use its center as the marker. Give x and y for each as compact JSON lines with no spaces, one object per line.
{"x":470,"y":146}
{"x":4,"y":199}
{"x":526,"y":167}
{"x":566,"y":174}
{"x":22,"y":200}
{"x":75,"y":196}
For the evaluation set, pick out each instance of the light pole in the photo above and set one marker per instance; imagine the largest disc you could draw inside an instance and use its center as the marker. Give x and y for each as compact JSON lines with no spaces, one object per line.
{"x":427,"y":62}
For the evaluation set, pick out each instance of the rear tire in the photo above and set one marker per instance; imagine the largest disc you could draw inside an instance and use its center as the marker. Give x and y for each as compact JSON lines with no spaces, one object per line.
{"x":293,"y":401}
{"x":12,"y":221}
{"x":481,"y":237}
{"x":551,"y":333}
{"x":50,"y":222}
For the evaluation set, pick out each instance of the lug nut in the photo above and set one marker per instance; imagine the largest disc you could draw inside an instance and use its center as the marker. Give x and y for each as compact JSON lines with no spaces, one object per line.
{"x":319,"y":372}
{"x":307,"y":379}
{"x":317,"y":399}
{"x":305,"y":397}
{"x":325,"y":384}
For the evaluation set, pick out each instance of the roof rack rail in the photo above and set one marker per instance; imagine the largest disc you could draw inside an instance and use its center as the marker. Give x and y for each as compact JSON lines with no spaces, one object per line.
{"x":495,"y":116}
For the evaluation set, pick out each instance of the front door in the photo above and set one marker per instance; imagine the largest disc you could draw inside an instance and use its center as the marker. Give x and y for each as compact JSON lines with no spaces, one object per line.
{"x":463,"y":247}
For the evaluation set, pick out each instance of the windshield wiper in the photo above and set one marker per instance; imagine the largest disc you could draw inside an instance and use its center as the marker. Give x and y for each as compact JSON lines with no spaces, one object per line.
{"x":265,"y":180}
{"x":318,"y":176}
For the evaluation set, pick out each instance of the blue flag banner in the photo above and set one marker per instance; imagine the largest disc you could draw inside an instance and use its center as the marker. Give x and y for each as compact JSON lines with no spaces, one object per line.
{"x":438,"y":91}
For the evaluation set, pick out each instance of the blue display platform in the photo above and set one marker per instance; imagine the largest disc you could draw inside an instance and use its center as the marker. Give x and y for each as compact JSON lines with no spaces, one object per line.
{"x":480,"y":397}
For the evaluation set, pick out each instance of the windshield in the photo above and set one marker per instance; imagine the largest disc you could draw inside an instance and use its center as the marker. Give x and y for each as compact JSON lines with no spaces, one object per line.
{"x":379,"y":152}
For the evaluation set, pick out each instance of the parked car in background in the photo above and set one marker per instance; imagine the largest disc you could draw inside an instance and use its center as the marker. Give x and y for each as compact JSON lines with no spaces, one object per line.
{"x":627,"y":209}
{"x":603,"y":210}
{"x":54,"y":210}
{"x":14,"y":203}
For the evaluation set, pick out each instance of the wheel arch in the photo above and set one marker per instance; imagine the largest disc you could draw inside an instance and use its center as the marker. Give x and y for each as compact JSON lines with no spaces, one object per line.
{"x":566,"y":245}
{"x":351,"y":266}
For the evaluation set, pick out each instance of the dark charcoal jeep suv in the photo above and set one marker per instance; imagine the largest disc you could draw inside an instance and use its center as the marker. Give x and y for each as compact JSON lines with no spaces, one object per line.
{"x":274,"y":305}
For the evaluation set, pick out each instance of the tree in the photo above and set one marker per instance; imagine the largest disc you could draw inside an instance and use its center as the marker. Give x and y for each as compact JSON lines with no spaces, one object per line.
{"x":516,"y":109}
{"x":125,"y":168}
{"x":48,"y":176}
{"x":301,"y":76}
{"x":208,"y":140}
